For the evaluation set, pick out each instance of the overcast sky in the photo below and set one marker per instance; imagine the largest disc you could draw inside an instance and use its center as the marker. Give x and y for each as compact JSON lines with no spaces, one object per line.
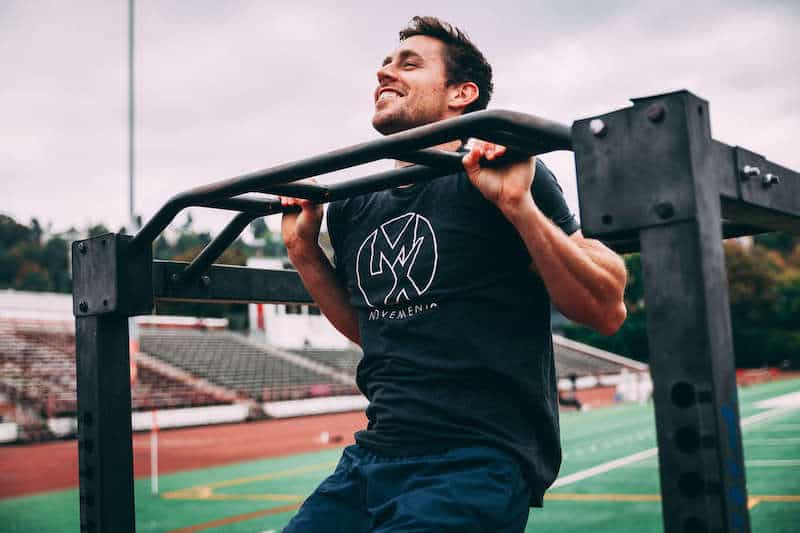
{"x":225,"y":88}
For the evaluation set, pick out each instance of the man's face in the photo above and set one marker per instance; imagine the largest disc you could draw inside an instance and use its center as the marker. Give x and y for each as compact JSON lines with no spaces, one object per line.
{"x":412,"y":86}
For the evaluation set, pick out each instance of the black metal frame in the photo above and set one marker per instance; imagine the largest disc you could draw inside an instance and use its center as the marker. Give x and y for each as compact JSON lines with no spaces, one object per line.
{"x":683,"y":191}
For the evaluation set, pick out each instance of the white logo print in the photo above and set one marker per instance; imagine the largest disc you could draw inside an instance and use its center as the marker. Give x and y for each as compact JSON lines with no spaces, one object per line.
{"x":392,"y":250}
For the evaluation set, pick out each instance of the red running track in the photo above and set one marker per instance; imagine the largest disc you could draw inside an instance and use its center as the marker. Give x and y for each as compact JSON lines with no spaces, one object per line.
{"x":33,"y":468}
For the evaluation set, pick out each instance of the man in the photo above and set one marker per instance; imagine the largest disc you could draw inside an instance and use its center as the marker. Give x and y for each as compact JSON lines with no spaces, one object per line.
{"x":447,"y":285}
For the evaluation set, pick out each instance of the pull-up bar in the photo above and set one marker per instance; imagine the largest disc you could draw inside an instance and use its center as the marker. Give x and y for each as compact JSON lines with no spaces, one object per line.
{"x":521,"y":132}
{"x":650,"y":177}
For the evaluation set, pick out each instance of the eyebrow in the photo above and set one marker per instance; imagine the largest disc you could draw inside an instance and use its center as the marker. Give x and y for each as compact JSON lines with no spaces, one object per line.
{"x":405,"y":54}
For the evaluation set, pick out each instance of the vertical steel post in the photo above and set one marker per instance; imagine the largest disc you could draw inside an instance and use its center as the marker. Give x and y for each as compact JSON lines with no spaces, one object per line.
{"x":691,"y":348}
{"x":105,"y":450}
{"x":111,"y":283}
{"x":649,"y":170}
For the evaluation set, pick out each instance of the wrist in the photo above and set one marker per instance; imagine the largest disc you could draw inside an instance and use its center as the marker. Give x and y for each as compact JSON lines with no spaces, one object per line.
{"x":522,"y":211}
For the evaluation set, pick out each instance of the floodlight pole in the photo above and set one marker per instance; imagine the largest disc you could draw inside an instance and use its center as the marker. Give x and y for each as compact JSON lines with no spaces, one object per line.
{"x":131,"y":116}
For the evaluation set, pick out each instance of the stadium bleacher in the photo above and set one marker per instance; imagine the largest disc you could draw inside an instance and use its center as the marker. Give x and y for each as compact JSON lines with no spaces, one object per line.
{"x":344,"y":360}
{"x":231,"y":361}
{"x":37,"y":369}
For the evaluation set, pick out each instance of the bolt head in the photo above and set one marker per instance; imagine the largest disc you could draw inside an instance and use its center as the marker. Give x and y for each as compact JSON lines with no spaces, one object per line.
{"x":665,"y":210}
{"x":748,"y":172}
{"x":82,"y":247}
{"x":598,"y":127}
{"x":205,"y":281}
{"x":656,"y":112}
{"x":174,"y":278}
{"x":83,"y":306}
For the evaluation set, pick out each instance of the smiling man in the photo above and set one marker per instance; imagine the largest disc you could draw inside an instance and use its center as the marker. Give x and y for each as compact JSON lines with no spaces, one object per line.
{"x":447,"y":286}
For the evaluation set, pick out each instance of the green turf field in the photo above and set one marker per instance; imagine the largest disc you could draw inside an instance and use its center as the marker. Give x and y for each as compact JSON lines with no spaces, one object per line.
{"x":260,"y":496}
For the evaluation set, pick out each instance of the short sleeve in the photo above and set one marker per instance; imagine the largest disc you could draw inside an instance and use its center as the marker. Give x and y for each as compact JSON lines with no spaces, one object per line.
{"x":333,"y":214}
{"x":549,"y":197}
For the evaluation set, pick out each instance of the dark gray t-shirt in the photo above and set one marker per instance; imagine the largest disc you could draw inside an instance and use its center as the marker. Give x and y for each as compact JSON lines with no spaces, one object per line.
{"x":454,"y":325}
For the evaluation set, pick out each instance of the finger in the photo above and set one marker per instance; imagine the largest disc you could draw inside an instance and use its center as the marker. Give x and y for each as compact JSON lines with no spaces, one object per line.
{"x":491,"y":150}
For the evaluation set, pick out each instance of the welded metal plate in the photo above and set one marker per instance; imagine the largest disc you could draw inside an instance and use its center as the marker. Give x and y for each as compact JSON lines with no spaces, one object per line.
{"x":635,"y":165}
{"x":109,"y":277}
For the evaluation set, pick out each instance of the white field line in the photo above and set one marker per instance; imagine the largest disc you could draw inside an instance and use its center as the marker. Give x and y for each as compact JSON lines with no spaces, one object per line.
{"x":602,"y":468}
{"x":646,"y":454}
{"x":753,"y":463}
{"x":773,"y":462}
{"x":786,"y":441}
{"x":790,"y":400}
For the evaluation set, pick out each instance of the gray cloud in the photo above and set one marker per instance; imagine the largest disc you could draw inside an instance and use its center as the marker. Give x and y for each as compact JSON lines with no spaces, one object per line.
{"x":227,"y":88}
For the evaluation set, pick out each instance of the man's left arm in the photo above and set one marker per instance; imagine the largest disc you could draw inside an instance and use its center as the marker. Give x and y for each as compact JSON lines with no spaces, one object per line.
{"x":585,"y":279}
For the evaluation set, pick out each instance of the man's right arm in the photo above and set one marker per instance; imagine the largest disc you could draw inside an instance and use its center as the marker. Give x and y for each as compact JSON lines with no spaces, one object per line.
{"x":300,"y":233}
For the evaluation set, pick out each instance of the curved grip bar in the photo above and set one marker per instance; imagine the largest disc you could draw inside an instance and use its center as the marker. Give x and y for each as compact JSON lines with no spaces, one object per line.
{"x":531,"y":134}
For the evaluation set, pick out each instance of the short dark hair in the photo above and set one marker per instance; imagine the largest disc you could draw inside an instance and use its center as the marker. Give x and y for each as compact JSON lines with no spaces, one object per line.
{"x":463,"y":61}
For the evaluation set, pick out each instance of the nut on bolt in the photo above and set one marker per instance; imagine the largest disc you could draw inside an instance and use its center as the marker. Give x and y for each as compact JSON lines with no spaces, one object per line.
{"x":655,"y":113}
{"x":770,"y":179}
{"x":749,"y":171}
{"x":83,"y":306}
{"x":598,"y":127}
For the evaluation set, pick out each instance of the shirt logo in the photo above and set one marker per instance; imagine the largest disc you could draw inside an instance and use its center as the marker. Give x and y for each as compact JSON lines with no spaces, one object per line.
{"x":397,"y":262}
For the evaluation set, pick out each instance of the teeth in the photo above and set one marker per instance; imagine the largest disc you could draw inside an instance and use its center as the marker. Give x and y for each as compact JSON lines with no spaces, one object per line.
{"x":388,"y":94}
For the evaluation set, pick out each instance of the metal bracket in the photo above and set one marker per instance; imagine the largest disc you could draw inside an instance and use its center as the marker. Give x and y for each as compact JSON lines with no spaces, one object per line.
{"x":643,"y":154}
{"x":108,"y":278}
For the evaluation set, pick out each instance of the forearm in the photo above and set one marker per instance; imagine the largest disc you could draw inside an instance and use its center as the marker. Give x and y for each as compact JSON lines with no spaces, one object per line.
{"x":325,"y":288}
{"x":586,"y":283}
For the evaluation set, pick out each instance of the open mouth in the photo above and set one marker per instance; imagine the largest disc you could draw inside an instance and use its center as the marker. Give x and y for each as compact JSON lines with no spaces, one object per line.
{"x":386,"y":94}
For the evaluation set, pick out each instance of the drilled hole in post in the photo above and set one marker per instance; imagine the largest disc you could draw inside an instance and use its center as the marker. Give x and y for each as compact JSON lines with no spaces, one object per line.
{"x":683,"y":394}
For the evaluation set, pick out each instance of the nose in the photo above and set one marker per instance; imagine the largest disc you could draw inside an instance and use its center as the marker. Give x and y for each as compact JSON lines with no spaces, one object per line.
{"x":386,"y":73}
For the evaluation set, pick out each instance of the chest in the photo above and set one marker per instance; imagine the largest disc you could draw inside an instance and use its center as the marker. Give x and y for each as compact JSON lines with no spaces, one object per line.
{"x":424,"y":244}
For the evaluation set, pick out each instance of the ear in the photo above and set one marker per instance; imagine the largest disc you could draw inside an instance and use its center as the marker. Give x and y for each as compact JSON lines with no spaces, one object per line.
{"x":461,"y":95}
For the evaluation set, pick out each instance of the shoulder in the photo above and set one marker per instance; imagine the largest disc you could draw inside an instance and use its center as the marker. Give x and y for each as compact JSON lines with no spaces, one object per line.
{"x":549,"y":197}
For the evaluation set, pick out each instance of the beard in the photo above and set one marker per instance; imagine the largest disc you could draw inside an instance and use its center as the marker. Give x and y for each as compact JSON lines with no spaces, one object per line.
{"x":401,"y":118}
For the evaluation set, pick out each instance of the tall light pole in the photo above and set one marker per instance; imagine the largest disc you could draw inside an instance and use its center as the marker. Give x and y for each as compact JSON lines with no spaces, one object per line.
{"x":131,"y":117}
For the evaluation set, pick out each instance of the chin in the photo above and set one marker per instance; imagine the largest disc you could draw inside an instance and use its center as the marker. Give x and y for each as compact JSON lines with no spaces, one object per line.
{"x":387,"y":126}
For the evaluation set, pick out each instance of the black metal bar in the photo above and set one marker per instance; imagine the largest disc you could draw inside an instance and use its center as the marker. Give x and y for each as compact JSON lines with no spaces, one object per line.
{"x":434,"y":158}
{"x":267,"y":206}
{"x":384,"y":180}
{"x":309,"y":191}
{"x":551,"y":135}
{"x":229,"y":284}
{"x":629,"y":243}
{"x":694,"y":383}
{"x":105,"y":451}
{"x":215,"y":248}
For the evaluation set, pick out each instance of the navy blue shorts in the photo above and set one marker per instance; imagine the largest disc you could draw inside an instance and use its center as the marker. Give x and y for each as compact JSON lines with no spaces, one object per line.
{"x":465,"y":489}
